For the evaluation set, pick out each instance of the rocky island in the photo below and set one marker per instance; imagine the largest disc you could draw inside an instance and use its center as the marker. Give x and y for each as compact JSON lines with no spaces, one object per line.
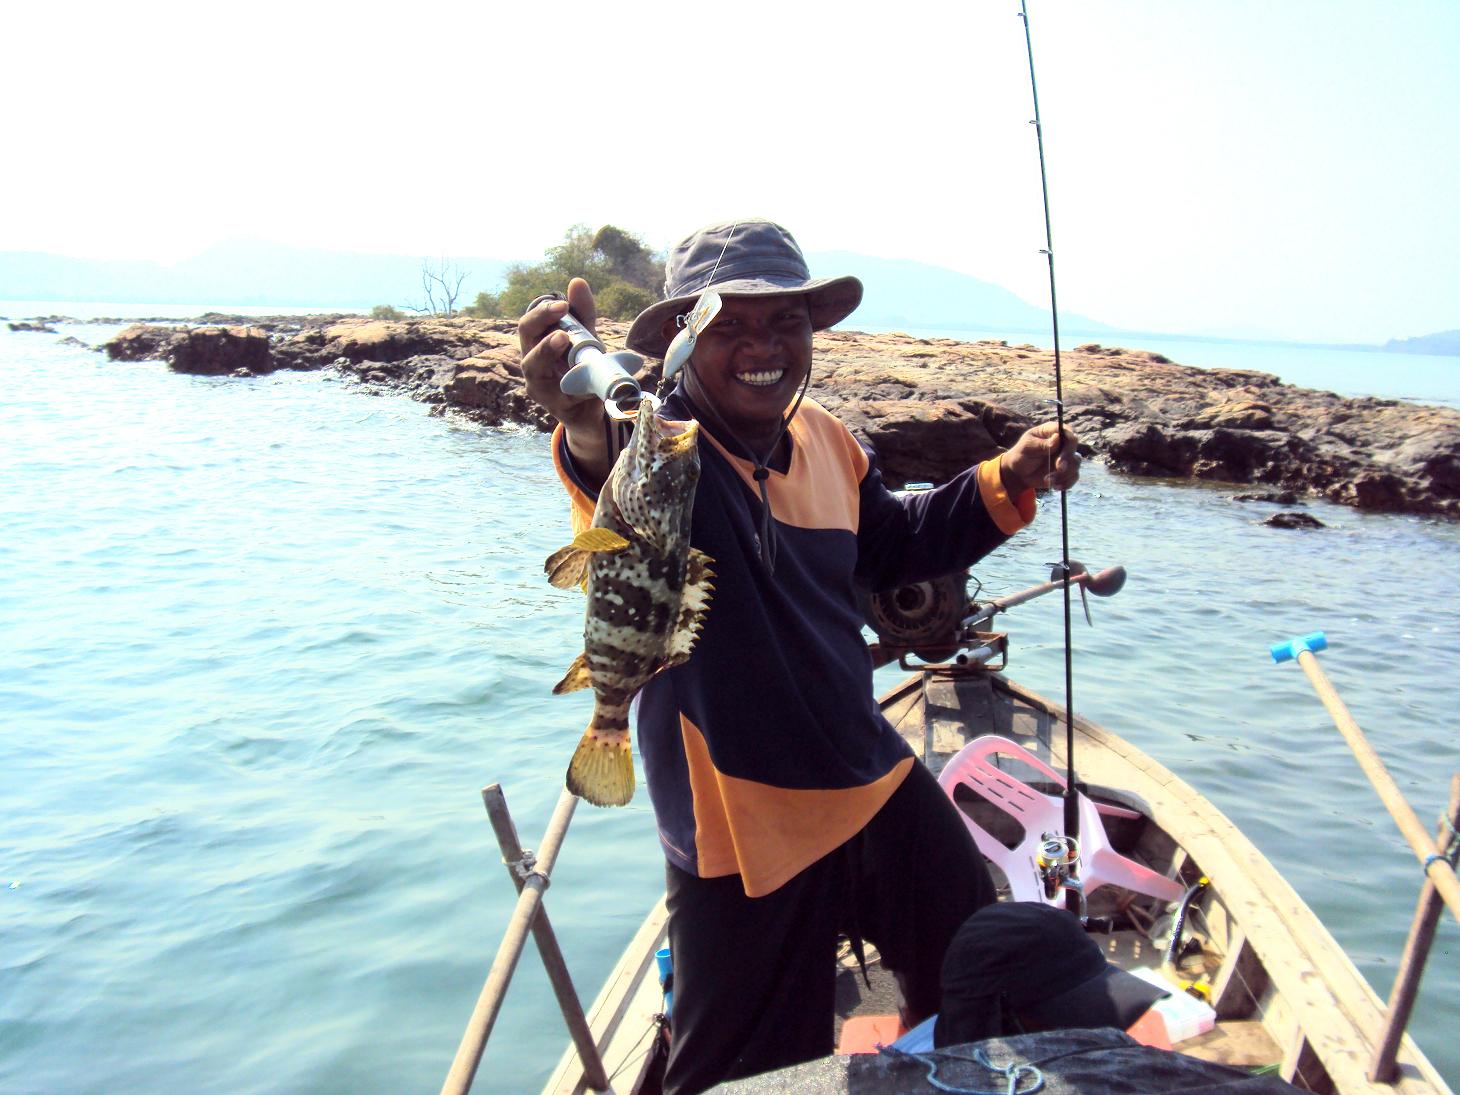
{"x":928,"y":407}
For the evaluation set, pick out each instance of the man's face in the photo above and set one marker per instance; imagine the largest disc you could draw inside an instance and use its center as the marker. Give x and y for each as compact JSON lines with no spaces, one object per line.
{"x":749,"y":363}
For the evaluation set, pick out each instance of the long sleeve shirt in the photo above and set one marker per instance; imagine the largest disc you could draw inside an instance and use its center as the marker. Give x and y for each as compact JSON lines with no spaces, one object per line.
{"x":766,"y":749}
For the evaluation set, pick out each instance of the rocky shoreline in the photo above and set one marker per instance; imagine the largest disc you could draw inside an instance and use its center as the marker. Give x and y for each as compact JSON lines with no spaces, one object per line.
{"x":929,"y":407}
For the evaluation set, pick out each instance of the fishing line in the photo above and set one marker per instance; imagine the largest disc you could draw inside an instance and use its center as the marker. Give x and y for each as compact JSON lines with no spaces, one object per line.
{"x":1072,"y":814}
{"x":766,"y":543}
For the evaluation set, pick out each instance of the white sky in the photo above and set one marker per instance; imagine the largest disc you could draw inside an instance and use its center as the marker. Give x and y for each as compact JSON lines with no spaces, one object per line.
{"x":1286,"y":168}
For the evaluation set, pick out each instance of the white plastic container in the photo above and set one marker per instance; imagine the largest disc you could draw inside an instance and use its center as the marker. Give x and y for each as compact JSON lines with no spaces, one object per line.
{"x":1184,"y":1015}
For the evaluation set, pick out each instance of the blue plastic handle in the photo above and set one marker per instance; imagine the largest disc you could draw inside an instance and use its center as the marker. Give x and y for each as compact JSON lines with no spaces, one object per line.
{"x":1287,"y":651}
{"x":666,"y":967}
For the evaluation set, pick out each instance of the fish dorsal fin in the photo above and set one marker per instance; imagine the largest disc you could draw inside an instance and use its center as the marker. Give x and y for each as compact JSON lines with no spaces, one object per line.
{"x":694,"y":604}
{"x":568,"y":566}
{"x":578,"y":676}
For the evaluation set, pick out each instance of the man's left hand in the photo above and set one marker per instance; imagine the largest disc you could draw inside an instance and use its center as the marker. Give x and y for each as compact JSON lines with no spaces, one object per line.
{"x":1040,"y":459}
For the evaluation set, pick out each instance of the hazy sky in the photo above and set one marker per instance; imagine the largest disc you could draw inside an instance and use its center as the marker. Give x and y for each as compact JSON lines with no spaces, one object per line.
{"x":1284,"y":168}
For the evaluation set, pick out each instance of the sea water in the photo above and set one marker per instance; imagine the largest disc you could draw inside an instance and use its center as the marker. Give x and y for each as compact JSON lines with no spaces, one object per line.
{"x":263,"y":641}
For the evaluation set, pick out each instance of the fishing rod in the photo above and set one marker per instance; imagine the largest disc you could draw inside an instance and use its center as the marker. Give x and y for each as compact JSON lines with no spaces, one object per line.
{"x":1071,"y":798}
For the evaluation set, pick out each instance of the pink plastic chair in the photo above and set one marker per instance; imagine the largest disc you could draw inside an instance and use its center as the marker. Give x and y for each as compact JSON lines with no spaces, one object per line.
{"x":1039,"y":813}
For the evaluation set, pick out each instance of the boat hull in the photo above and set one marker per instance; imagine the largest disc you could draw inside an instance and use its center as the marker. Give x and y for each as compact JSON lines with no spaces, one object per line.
{"x":1285,"y":993}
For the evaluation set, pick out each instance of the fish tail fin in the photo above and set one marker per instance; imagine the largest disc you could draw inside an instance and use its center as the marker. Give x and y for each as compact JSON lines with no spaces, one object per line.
{"x":602,"y":768}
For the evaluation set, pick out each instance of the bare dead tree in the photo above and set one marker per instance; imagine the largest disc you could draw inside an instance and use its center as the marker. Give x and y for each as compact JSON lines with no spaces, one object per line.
{"x":440,"y":286}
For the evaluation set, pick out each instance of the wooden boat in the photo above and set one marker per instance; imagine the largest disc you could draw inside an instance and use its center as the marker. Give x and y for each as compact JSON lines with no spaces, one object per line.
{"x":1286,"y":995}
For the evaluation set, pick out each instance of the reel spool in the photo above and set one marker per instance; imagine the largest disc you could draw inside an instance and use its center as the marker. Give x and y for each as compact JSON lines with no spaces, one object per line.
{"x":924,"y":618}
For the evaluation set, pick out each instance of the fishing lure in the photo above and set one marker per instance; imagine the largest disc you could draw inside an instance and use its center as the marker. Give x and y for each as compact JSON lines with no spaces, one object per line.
{"x":700,"y":317}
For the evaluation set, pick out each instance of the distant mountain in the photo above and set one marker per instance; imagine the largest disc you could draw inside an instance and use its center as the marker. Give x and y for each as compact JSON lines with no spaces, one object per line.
{"x":1442,"y":342}
{"x":903,"y":293}
{"x":899,"y":292}
{"x":238,"y":272}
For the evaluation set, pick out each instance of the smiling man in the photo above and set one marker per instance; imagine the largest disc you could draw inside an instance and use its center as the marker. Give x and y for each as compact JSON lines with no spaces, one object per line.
{"x":789,"y":810}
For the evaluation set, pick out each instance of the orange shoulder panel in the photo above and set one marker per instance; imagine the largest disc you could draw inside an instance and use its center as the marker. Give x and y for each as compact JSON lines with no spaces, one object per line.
{"x":766,"y":834}
{"x":820,"y":491}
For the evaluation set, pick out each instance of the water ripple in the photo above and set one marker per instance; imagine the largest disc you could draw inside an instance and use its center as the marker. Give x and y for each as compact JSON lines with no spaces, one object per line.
{"x":264,"y":642}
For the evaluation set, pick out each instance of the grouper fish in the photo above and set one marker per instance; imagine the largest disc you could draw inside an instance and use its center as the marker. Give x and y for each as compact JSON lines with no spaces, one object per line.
{"x":648,"y":593}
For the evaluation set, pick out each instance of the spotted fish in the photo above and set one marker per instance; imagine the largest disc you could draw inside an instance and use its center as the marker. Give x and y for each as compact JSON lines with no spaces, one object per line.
{"x":648,"y":592}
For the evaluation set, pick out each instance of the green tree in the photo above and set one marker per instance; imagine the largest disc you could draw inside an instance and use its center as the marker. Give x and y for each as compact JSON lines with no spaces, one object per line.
{"x":624,"y":273}
{"x":486,"y":306}
{"x":620,"y":300}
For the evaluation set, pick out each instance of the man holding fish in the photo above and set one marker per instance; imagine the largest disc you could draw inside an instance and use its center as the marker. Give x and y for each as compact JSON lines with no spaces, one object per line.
{"x":722,"y":554}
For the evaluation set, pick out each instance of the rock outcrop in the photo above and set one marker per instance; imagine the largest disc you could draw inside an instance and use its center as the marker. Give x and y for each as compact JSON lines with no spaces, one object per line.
{"x":222,"y":351}
{"x":929,"y":407}
{"x":1294,"y":520}
{"x":141,"y":342}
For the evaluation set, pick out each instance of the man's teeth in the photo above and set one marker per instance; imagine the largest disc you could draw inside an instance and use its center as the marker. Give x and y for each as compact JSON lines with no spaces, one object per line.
{"x":761,"y":379}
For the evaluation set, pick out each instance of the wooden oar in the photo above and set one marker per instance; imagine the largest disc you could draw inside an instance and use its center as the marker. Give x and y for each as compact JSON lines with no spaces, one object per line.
{"x":1436,"y":867}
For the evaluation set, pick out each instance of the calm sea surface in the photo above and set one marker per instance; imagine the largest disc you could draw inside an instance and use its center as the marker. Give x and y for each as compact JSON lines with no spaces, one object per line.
{"x":263,"y":641}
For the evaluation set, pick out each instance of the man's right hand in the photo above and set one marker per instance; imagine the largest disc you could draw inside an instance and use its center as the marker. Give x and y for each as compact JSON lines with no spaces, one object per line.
{"x":545,"y":360}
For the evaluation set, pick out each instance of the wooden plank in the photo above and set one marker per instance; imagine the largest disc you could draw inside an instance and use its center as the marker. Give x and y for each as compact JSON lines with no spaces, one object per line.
{"x":1243,"y":1043}
{"x":1301,"y":1066}
{"x":1240,"y":982}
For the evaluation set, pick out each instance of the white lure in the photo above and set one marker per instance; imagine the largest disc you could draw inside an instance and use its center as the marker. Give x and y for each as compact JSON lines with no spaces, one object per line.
{"x":700,"y":317}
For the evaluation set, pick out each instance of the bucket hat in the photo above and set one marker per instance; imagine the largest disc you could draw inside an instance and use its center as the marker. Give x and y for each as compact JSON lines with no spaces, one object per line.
{"x":1025,"y":964}
{"x":745,"y":258}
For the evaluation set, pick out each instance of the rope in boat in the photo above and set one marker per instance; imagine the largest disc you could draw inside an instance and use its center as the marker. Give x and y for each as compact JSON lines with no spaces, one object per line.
{"x":1450,"y":853}
{"x":1014,"y":1072}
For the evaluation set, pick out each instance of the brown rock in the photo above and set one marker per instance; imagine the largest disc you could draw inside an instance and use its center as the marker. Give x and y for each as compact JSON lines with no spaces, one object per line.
{"x":931,"y":407}
{"x":919,"y":439}
{"x":382,"y":340}
{"x":1241,"y":414}
{"x":140,"y":342}
{"x":489,"y":389}
{"x":1294,"y":520}
{"x":1277,"y":497}
{"x":221,"y":351}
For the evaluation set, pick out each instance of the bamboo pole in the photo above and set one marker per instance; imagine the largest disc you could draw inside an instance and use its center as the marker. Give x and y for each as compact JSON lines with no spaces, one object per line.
{"x":1382,"y":1069}
{"x":1438,"y":869}
{"x":527,"y":916}
{"x":571,"y":1007}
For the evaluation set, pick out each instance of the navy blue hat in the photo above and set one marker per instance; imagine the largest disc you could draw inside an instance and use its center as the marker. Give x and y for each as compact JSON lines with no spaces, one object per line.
{"x":744,"y":258}
{"x":1025,"y":965}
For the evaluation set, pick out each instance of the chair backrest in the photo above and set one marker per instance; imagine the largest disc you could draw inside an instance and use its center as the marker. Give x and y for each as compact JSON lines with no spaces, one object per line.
{"x":1037,"y":813}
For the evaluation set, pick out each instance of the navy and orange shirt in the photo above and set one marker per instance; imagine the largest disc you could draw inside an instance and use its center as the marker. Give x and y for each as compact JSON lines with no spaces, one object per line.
{"x":766,"y":750}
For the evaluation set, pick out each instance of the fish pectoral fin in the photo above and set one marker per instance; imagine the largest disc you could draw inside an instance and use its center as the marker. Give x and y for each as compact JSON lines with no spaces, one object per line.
{"x":568,"y":567}
{"x":694,"y":605}
{"x":595,"y":540}
{"x":578,"y":676}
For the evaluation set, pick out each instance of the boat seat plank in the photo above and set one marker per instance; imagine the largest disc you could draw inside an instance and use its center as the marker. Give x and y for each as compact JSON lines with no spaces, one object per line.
{"x":1240,"y":1043}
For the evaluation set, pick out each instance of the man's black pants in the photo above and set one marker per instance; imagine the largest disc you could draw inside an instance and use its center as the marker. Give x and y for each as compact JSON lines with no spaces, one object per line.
{"x":755,"y":977}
